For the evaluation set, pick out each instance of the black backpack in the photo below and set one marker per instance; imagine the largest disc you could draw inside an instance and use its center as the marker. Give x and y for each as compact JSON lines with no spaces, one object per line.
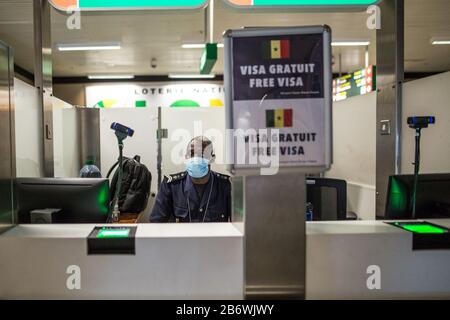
{"x":135,"y":187}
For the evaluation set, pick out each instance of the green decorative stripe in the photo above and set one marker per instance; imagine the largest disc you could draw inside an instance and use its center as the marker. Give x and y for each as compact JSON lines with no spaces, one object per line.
{"x":140,"y":103}
{"x":139,"y":3}
{"x":312,"y":2}
{"x":185,"y":103}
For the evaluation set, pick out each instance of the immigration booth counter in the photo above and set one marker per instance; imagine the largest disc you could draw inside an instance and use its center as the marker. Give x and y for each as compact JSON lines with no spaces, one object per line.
{"x":278,"y":114}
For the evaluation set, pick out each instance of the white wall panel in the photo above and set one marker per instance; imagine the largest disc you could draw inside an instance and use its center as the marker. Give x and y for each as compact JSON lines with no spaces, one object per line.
{"x":145,"y":123}
{"x":427,"y":96}
{"x":66,"y":139}
{"x":354,"y":149}
{"x":27,"y":129}
{"x":185,"y":123}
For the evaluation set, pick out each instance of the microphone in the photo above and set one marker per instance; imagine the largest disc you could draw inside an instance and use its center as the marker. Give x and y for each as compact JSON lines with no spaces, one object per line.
{"x":120,"y":128}
{"x":420,"y":122}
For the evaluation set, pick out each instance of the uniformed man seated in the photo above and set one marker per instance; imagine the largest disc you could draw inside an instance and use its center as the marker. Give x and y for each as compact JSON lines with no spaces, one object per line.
{"x":197,"y":194}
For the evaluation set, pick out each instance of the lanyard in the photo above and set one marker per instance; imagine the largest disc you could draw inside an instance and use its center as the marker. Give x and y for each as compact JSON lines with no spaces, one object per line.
{"x":207,"y":203}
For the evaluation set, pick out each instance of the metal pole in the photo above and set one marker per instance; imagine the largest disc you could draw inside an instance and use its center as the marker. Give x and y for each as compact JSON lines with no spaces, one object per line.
{"x":211,"y":21}
{"x":7,"y":146}
{"x":366,"y":57}
{"x":275,"y":235}
{"x":205,"y":25}
{"x":416,"y":171}
{"x":116,"y":208}
{"x":43,"y":78}
{"x":159,"y":149}
{"x":390,"y":76}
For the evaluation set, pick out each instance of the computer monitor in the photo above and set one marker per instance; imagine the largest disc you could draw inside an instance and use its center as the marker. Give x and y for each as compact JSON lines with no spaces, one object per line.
{"x":327,"y":198}
{"x":81,"y":200}
{"x":432,"y":199}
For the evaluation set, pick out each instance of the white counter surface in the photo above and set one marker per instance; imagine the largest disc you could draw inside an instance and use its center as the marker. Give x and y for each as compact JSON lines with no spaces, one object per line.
{"x":362,"y":227}
{"x":206,"y":261}
{"x":145,"y":230}
{"x":181,"y":230}
{"x":172,"y":261}
{"x":341,"y":257}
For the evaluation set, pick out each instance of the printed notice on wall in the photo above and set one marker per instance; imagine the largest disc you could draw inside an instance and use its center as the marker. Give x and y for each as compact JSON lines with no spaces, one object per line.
{"x":278,"y":83}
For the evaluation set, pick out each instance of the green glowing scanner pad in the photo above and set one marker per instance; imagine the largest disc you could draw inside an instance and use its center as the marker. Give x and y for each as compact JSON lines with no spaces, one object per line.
{"x":112,"y":240}
{"x":426,"y":235}
{"x":420,"y":227}
{"x":113,"y":233}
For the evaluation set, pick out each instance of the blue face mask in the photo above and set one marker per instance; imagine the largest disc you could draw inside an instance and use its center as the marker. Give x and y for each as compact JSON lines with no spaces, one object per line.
{"x":197,"y":167}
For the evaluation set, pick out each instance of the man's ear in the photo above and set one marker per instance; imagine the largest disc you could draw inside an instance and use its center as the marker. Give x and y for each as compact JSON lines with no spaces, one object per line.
{"x":213,"y":158}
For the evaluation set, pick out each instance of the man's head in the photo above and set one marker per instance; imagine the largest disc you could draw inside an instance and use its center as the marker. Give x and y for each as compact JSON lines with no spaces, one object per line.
{"x":201,"y":147}
{"x":199,"y":156}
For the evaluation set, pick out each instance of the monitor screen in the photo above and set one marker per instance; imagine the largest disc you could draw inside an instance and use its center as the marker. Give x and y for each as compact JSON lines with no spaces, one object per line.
{"x":326,"y":199}
{"x":432,"y":199}
{"x":76,"y":200}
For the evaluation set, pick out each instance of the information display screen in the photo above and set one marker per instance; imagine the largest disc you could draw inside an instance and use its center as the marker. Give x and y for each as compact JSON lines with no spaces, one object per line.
{"x":354,"y":84}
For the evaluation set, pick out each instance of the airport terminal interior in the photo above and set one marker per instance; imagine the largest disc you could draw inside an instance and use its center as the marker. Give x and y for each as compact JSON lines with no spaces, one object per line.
{"x":224,"y":149}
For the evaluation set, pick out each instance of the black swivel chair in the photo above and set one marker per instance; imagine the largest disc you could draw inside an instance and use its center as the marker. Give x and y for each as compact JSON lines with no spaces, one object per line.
{"x":328,"y":199}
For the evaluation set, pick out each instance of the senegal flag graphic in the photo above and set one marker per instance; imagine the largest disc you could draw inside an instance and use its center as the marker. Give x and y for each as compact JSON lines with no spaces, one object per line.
{"x":279,"y":118}
{"x":276,"y":49}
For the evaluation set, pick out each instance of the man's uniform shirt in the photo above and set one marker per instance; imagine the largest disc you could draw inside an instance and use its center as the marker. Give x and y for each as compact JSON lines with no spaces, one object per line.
{"x":180,"y":200}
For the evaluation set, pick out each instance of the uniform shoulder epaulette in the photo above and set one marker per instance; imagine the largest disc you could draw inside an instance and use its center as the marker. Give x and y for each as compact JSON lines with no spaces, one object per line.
{"x":222,"y":176}
{"x":175,"y":177}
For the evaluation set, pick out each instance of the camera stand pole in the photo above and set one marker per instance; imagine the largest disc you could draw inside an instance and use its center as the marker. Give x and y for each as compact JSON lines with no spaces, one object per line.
{"x":116,"y":212}
{"x":418,"y":123}
{"x":416,"y":171}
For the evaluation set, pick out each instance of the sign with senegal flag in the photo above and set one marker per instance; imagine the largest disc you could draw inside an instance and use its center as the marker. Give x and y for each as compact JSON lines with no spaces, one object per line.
{"x":278,"y":89}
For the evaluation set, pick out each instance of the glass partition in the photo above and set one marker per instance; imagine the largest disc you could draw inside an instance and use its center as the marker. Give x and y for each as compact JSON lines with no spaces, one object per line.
{"x":7,"y":161}
{"x":28,"y":134}
{"x":66,"y":140}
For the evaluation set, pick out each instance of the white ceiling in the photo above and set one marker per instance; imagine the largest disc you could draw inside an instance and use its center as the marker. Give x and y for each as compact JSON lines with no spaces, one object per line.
{"x":159,"y":34}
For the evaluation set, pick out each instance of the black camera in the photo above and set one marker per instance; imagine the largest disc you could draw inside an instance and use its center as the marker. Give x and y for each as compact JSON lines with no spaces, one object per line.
{"x":420,"y":122}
